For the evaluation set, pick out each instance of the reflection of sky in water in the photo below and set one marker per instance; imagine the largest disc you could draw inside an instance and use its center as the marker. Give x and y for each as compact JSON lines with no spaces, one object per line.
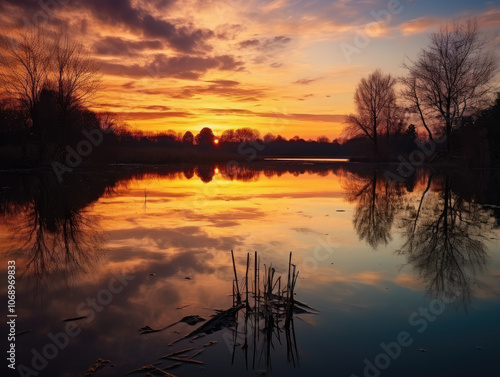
{"x":164,"y":230}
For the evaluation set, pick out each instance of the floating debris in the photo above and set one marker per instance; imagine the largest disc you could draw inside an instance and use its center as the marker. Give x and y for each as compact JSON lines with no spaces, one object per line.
{"x":177,"y":353}
{"x":196,"y":353}
{"x":264,"y":302}
{"x":198,"y":336}
{"x":211,"y":343}
{"x":23,"y":332}
{"x":74,"y":319}
{"x":191,"y":320}
{"x":96,"y":365}
{"x":186,"y":360}
{"x":221,"y":320}
{"x":172,"y":366}
{"x":152,"y":368}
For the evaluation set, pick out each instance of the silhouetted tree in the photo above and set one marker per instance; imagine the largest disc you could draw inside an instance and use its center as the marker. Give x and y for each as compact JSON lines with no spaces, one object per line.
{"x":374,"y":98}
{"x":75,"y":76}
{"x":24,"y":73}
{"x":205,"y":138}
{"x":269,"y":138}
{"x":188,"y":138}
{"x":450,"y":78}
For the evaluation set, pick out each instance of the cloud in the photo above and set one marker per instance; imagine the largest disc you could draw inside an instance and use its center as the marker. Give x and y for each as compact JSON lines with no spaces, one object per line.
{"x":266,"y":44}
{"x":249,"y":43}
{"x":116,"y":46}
{"x":149,"y":115}
{"x":228,"y":31}
{"x":299,"y":117}
{"x":418,"y":25}
{"x":235,"y":92}
{"x":306,"y":81}
{"x":134,"y":17}
{"x":225,"y":82}
{"x":181,"y":67}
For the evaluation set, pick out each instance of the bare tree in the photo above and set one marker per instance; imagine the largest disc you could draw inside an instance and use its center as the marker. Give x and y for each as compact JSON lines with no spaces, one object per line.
{"x":374,"y":97}
{"x":24,"y":71}
{"x":38,"y":66}
{"x":450,"y":78}
{"x":75,"y":75}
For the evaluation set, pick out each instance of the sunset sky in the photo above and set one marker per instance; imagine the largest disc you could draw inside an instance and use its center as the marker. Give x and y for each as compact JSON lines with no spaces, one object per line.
{"x":289,"y":67}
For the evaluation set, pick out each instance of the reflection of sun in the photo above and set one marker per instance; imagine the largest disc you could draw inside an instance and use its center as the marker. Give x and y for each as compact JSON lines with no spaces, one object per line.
{"x":216,"y":170}
{"x":216,"y":141}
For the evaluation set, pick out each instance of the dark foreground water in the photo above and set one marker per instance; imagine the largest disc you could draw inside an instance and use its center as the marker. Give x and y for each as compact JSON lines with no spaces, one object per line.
{"x":401,"y":278}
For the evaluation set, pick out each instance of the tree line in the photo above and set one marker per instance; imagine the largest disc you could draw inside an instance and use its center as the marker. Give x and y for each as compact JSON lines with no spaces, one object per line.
{"x":48,"y":80}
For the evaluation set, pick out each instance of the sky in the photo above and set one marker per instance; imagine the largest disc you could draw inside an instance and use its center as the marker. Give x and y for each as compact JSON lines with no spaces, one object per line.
{"x":289,"y":67}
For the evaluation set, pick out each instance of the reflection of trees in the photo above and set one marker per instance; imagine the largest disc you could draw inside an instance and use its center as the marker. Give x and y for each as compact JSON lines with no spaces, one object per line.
{"x":50,"y":230}
{"x":205,"y":172}
{"x":445,"y":240}
{"x":377,"y":201}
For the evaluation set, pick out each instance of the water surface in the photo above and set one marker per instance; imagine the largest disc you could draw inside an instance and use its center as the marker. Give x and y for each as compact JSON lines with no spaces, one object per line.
{"x":378,"y":260}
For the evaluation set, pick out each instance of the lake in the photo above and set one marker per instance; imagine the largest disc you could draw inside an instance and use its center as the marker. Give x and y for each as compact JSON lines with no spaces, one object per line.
{"x":396,"y":277}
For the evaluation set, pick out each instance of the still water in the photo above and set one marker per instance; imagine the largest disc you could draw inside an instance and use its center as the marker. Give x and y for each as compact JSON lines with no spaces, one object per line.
{"x":399,"y":277}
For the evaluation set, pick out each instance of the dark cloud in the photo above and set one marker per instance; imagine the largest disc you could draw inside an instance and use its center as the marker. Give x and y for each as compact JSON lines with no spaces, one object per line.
{"x":225,"y":82}
{"x":306,"y":81}
{"x":236,"y":93}
{"x":116,"y":46}
{"x":183,"y":39}
{"x":182,"y":67}
{"x":268,"y":44}
{"x":249,"y":43}
{"x":148,"y":115}
{"x":276,"y":65}
{"x":125,"y":14}
{"x":276,"y":43}
{"x":156,"y":108}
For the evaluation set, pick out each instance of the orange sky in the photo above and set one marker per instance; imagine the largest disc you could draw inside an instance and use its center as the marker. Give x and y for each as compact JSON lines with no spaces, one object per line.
{"x":289,"y":67}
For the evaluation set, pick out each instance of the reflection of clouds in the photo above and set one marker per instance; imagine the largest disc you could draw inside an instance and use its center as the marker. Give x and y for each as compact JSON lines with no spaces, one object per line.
{"x":409,"y":281}
{"x":187,"y":237}
{"x":284,"y":195}
{"x":306,"y":231}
